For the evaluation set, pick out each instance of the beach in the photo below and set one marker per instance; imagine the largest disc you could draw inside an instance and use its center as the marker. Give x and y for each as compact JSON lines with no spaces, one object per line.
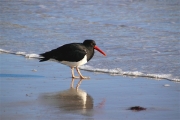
{"x":30,"y":90}
{"x":139,"y":79}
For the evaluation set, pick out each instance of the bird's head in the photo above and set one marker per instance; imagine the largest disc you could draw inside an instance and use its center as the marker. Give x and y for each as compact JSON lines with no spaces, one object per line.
{"x":92,"y":43}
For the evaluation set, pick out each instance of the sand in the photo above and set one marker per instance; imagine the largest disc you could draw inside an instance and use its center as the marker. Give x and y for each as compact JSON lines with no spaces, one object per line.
{"x":30,"y":90}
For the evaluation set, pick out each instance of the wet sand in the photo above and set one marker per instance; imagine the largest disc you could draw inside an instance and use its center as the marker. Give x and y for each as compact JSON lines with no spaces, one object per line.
{"x":30,"y":90}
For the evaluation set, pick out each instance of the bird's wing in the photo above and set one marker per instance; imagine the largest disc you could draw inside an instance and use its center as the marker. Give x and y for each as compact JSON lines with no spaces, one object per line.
{"x":69,"y":52}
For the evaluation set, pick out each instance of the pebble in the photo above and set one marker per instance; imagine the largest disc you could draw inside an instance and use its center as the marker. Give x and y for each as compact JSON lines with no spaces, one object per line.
{"x":34,"y":70}
{"x":166,"y":85}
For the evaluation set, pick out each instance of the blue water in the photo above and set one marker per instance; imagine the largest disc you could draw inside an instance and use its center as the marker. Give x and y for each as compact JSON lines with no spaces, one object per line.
{"x":140,"y":38}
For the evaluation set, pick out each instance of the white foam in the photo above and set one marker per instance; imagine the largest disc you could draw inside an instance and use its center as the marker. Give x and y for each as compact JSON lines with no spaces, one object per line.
{"x":4,"y":51}
{"x":20,"y":53}
{"x":32,"y":56}
{"x":118,"y":71}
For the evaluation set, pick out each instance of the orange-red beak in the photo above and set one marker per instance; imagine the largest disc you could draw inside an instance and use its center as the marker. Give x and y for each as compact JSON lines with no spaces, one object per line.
{"x":98,"y":49}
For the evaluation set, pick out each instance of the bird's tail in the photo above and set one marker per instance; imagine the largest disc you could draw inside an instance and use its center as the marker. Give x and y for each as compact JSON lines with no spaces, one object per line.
{"x":44,"y":57}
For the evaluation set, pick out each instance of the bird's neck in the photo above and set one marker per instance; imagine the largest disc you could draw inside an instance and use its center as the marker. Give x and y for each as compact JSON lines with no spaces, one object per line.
{"x":90,"y":52}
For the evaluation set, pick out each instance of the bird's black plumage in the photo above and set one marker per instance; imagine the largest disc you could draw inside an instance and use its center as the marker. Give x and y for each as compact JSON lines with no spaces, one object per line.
{"x":72,"y":52}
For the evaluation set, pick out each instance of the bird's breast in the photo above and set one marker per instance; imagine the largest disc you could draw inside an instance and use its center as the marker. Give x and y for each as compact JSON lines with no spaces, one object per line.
{"x":74,"y":64}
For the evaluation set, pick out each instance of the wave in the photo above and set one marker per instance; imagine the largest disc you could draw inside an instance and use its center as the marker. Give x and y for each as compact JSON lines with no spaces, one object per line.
{"x":20,"y":53}
{"x":118,"y":71}
{"x":113,"y":72}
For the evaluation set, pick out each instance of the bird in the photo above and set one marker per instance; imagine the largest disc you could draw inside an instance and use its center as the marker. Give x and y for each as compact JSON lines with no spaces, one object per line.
{"x":73,"y":55}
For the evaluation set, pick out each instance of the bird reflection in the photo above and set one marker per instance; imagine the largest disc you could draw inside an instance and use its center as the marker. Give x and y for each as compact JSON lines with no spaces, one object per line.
{"x":71,"y":100}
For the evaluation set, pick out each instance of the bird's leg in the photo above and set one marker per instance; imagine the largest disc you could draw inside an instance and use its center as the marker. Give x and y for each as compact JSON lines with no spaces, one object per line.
{"x":82,"y":77}
{"x":72,"y":71}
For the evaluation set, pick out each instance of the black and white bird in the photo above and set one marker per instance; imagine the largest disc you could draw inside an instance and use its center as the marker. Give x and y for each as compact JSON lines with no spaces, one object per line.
{"x":73,"y":55}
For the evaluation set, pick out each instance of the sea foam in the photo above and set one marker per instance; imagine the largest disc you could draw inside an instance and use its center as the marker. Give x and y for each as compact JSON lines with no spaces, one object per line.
{"x":118,"y":71}
{"x":33,"y":55}
{"x":4,"y":51}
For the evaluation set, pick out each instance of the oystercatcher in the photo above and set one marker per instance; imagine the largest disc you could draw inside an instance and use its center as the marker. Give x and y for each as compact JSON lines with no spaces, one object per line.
{"x":73,"y":55}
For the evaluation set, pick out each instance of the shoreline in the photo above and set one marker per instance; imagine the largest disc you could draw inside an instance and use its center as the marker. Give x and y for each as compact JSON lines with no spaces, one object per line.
{"x":113,"y":72}
{"x":33,"y":90}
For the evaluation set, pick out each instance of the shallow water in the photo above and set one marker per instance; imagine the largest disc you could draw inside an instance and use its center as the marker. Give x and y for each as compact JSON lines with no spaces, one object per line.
{"x":47,"y":94}
{"x":139,"y":37}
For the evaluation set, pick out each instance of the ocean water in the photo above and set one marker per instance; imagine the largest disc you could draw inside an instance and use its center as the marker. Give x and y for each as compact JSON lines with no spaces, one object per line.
{"x":140,"y":37}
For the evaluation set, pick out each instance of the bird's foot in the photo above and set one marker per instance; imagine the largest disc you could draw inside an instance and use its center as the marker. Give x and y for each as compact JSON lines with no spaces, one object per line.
{"x":82,"y":77}
{"x":75,"y":77}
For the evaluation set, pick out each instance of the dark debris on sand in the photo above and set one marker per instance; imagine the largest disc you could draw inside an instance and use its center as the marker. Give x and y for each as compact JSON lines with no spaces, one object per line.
{"x":137,"y":108}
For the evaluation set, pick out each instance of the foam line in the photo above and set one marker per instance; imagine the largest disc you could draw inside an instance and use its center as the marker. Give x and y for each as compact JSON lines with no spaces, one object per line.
{"x":118,"y":71}
{"x":21,"y":53}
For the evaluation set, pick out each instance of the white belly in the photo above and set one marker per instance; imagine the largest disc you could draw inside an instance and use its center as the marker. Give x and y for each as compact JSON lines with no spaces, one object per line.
{"x":74,"y":64}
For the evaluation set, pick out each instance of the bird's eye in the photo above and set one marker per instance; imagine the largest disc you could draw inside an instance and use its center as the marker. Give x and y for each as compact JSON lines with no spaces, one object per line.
{"x":93,"y":44}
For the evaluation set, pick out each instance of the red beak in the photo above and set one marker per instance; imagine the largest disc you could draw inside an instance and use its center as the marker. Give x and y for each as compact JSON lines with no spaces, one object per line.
{"x":98,"y":49}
